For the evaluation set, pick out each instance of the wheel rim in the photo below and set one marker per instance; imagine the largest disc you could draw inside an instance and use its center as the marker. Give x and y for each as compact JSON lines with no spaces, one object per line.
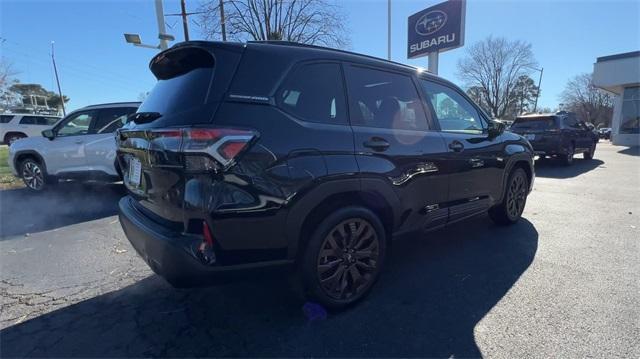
{"x":13,"y":139}
{"x":516,"y":196}
{"x":348,"y":259}
{"x":32,"y":175}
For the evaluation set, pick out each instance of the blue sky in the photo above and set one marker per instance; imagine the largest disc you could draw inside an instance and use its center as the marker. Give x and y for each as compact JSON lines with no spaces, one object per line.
{"x":96,"y":65}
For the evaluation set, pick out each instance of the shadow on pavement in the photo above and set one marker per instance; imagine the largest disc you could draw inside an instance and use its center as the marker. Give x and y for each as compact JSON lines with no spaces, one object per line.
{"x":553,"y":168}
{"x":435,"y":289}
{"x":632,"y":151}
{"x":23,"y":211}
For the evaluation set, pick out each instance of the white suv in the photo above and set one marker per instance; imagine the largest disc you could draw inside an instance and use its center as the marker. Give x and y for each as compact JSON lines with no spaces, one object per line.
{"x":20,"y":125}
{"x":81,"y":146}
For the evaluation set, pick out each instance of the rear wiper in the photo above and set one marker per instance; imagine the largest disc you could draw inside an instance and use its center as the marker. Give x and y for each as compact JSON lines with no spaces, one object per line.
{"x":144,"y":117}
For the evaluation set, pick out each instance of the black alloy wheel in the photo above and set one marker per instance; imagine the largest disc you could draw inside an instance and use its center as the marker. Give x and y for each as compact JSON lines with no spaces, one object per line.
{"x":344,"y":257}
{"x":517,"y":195}
{"x":348,"y":259}
{"x":514,"y":199}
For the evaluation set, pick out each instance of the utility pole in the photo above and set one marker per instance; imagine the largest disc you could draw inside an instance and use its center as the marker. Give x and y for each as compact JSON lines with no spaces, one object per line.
{"x":388,"y":30}
{"x":185,"y":25}
{"x":222,"y":24}
{"x":55,"y":70}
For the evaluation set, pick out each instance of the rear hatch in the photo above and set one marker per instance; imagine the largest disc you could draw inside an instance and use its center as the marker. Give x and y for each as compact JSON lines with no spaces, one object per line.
{"x":172,"y":140}
{"x":536,"y":128}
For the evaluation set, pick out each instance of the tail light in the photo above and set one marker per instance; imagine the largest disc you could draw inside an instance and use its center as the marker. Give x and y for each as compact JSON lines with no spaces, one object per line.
{"x":204,"y":149}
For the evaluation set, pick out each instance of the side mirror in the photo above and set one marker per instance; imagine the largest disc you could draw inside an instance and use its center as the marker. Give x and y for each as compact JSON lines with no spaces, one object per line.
{"x":496,"y":129}
{"x":49,"y":134}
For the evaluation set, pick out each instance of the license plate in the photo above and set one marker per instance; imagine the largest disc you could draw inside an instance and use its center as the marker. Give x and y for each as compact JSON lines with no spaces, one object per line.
{"x":135,"y":171}
{"x":530,"y":137}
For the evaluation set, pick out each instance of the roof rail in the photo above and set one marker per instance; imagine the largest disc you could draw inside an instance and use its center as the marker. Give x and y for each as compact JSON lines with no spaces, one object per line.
{"x":299,"y":44}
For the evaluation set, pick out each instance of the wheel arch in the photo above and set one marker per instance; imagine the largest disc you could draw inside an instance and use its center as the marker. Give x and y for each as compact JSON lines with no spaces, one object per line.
{"x":523,"y":161}
{"x":9,"y":133}
{"x":23,"y":155}
{"x":315,"y":205}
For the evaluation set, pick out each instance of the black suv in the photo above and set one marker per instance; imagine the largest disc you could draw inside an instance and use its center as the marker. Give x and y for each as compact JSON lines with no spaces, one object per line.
{"x":559,"y":135}
{"x":260,"y":155}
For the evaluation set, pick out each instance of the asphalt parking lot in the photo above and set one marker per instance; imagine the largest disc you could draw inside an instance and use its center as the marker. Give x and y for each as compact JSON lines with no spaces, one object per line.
{"x":563,"y":282}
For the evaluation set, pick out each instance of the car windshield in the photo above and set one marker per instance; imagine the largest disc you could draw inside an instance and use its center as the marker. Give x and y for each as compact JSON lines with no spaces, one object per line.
{"x":534,"y":123}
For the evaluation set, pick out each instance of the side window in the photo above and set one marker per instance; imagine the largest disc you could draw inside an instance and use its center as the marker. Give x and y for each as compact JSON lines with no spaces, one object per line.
{"x":111,"y":119}
{"x":571,"y":122}
{"x":29,"y":120}
{"x":77,"y":124}
{"x":315,"y":93}
{"x":6,"y":118}
{"x":48,"y":121}
{"x":384,"y":99}
{"x":454,"y":112}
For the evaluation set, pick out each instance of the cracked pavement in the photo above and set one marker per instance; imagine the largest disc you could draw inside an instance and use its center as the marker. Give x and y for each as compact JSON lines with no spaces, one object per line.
{"x":562,"y":282}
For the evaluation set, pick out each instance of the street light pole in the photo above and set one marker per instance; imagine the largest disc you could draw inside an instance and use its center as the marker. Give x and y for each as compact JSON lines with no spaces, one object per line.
{"x":55,"y":70}
{"x":161,"y":28}
{"x":535,"y":106}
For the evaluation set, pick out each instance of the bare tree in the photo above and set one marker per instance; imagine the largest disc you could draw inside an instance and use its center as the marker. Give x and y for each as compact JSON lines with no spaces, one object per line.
{"x":589,"y":102}
{"x":492,"y":67}
{"x":6,"y":73}
{"x":319,"y":22}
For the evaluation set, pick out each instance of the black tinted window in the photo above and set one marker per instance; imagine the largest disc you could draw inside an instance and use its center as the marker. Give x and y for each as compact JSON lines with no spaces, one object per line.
{"x":571,"y":122}
{"x":28,"y":120}
{"x":453,"y":111}
{"x":315,"y":93}
{"x":534,"y":123}
{"x":183,"y":83}
{"x":6,"y":118}
{"x":384,"y":99}
{"x":111,"y":119}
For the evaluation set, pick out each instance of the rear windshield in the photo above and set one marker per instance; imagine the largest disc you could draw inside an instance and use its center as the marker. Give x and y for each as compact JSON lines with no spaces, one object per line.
{"x":183,"y":77}
{"x":534,"y":123}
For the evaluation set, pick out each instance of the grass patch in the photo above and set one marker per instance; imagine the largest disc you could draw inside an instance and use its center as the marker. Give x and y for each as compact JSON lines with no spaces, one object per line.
{"x":7,"y":180}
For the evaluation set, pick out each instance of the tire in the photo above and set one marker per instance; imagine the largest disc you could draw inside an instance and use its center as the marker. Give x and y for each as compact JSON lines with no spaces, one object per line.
{"x":33,"y":175}
{"x":514,"y":199}
{"x":589,"y":154}
{"x":336,"y":271}
{"x":567,"y":159}
{"x":13,"y":138}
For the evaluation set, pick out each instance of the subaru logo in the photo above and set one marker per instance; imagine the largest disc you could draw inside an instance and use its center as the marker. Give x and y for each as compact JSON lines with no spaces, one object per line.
{"x":431,"y":22}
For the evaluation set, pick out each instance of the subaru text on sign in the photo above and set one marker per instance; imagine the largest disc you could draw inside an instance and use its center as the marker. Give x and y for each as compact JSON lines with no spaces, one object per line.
{"x":435,"y":29}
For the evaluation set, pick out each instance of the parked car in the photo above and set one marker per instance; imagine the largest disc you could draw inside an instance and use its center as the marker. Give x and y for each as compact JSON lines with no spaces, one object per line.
{"x":16,"y":126}
{"x":305,"y":157}
{"x":81,"y":146}
{"x":558,"y":135}
{"x":605,"y":133}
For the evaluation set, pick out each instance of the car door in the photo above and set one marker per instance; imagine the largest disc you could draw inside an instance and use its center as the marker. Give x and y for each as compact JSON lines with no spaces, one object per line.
{"x":474,"y":159}
{"x":394,"y":142}
{"x":66,"y":152}
{"x":100,"y":143}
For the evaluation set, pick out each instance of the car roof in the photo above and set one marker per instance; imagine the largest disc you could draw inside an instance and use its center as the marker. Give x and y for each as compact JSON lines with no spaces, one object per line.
{"x":113,"y":104}
{"x":28,"y":114}
{"x":534,"y":115}
{"x":294,"y":49}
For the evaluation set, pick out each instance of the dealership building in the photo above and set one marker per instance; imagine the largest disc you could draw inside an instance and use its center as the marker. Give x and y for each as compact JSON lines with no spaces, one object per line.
{"x":620,"y":75}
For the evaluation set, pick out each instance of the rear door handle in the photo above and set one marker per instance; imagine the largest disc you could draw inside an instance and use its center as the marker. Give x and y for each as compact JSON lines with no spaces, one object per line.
{"x":377,"y":144}
{"x":79,"y":142}
{"x":456,"y":146}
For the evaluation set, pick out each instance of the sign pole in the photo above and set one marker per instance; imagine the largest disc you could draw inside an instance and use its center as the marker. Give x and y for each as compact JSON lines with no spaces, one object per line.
{"x":433,"y":62}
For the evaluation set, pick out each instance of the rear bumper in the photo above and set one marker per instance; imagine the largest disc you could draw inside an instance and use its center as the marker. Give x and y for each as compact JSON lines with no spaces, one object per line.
{"x":548,"y":148}
{"x":173,"y":256}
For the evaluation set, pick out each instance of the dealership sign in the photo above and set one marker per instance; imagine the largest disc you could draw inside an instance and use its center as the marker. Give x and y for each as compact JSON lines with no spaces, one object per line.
{"x":436,"y":29}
